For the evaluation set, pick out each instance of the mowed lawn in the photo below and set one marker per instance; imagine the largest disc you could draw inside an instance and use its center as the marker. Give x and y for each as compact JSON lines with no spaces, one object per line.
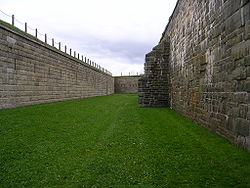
{"x":109,"y":141}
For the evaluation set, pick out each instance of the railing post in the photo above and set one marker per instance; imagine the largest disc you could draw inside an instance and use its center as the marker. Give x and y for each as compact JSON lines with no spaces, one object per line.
{"x":65,"y":49}
{"x":59,"y":45}
{"x":13,"y":20}
{"x":36,"y":33}
{"x":74,"y":53}
{"x":85,"y":59}
{"x":70,"y":51}
{"x":53,"y":42}
{"x":46,"y":38}
{"x":25,"y":27}
{"x":82,"y":57}
{"x":78,"y":57}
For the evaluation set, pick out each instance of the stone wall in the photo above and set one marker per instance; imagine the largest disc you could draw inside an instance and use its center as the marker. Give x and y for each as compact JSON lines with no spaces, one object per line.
{"x":126,"y":84}
{"x":32,"y":72}
{"x":153,"y":87}
{"x":210,"y":65}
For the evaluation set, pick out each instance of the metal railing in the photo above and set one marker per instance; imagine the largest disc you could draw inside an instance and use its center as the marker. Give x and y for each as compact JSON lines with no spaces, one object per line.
{"x":130,"y":74}
{"x":50,"y":41}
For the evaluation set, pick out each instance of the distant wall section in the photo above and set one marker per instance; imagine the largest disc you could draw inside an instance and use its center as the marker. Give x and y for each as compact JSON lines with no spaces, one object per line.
{"x":126,"y":84}
{"x":32,"y":72}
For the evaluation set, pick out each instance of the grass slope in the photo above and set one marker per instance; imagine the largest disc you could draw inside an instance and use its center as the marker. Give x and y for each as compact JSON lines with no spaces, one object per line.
{"x":110,"y":142}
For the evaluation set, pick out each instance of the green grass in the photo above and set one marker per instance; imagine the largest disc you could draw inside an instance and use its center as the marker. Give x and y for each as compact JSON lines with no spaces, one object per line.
{"x":110,"y":142}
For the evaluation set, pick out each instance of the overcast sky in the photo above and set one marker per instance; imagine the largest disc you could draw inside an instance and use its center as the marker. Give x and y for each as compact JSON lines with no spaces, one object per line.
{"x":116,"y":34}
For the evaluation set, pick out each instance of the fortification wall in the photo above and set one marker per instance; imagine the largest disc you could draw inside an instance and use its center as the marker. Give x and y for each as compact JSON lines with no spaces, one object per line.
{"x":32,"y":72}
{"x":126,"y":84}
{"x":209,"y":65}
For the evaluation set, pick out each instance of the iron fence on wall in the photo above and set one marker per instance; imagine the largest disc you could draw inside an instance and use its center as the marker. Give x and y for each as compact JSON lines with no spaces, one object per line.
{"x":49,"y":41}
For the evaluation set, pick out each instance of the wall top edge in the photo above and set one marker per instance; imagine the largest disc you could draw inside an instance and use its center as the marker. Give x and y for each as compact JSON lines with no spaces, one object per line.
{"x":128,"y":76}
{"x":41,"y":43}
{"x":170,"y":19}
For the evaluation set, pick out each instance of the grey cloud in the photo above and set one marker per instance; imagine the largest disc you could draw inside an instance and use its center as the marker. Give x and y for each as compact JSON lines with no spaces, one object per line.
{"x":126,"y":49}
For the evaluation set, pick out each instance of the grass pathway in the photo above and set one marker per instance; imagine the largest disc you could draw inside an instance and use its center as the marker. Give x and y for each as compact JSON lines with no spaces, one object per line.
{"x":110,"y":142}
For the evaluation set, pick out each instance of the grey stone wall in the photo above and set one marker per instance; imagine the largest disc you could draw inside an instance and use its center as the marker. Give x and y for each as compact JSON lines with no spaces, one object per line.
{"x":32,"y":72}
{"x":154,"y":87}
{"x":210,"y":65}
{"x":126,"y":84}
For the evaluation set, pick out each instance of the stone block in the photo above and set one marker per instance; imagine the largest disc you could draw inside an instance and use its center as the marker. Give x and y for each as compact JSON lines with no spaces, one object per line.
{"x":232,"y":124}
{"x":239,"y":74}
{"x":241,"y":50}
{"x":246,"y":11}
{"x":247,"y":143}
{"x":233,"y":22}
{"x":241,"y":141}
{"x":248,"y":112}
{"x":246,"y":85}
{"x":248,"y":71}
{"x":243,"y":126}
{"x":247,"y":30}
{"x":230,"y":7}
{"x":243,"y":110}
{"x":247,"y":60}
{"x":243,"y":2}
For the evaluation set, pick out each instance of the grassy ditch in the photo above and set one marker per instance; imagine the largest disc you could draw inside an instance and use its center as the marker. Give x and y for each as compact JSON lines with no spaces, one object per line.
{"x":110,"y":142}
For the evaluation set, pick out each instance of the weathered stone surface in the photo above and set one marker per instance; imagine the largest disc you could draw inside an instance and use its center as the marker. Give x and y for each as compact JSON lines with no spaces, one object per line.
{"x":153,"y":87}
{"x":247,"y":143}
{"x":209,"y":66}
{"x":126,"y":84}
{"x":243,"y":142}
{"x":243,"y":127}
{"x":33,"y":73}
